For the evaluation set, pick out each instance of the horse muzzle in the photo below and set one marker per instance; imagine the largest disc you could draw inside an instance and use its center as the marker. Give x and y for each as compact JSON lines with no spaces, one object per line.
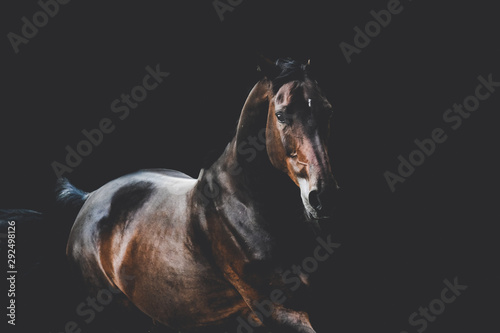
{"x":320,"y":201}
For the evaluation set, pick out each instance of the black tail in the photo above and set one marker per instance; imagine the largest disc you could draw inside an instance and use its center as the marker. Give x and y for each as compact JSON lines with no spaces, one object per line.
{"x":68,"y":202}
{"x":68,"y":196}
{"x":42,"y":235}
{"x":27,"y":226}
{"x":17,"y":214}
{"x":39,"y":240}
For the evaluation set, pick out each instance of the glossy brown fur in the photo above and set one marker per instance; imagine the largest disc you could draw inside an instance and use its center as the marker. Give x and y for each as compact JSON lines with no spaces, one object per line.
{"x":191,"y":253}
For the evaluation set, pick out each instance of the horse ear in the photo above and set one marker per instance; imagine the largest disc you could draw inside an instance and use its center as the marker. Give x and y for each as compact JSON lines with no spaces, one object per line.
{"x":267,"y":67}
{"x":253,"y":117}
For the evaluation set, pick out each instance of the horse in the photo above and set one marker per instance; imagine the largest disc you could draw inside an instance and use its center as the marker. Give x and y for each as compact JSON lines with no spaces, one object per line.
{"x":196,"y":252}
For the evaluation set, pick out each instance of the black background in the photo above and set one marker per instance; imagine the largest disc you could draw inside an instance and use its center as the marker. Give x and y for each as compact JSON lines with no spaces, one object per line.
{"x":397,"y":248}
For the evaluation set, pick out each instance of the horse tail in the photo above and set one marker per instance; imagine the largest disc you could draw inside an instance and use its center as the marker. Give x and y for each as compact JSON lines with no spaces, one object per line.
{"x":45,"y":231}
{"x":66,"y":206}
{"x":18,"y":214}
{"x":12,"y":217}
{"x":19,"y":227}
{"x":68,"y":197}
{"x":39,"y":239}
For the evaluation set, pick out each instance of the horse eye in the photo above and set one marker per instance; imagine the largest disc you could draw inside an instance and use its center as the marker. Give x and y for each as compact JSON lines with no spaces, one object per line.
{"x":281,"y":117}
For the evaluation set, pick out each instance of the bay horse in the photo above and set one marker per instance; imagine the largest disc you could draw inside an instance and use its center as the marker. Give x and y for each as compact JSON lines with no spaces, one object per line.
{"x":202,"y":251}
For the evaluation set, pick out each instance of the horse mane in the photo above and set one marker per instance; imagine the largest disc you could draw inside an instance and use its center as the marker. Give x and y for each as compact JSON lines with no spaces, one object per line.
{"x":290,"y":70}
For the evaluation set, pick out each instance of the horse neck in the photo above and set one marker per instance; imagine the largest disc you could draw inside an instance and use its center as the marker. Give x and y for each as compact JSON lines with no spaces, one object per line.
{"x":245,"y":166}
{"x":271,"y":200}
{"x":243,"y":176}
{"x":245,"y":161}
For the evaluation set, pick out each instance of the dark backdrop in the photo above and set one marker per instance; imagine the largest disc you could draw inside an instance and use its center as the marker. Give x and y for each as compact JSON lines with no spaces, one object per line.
{"x":397,"y":247}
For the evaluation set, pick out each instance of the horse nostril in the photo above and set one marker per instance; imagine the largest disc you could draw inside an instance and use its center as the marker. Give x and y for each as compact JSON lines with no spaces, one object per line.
{"x":314,"y":200}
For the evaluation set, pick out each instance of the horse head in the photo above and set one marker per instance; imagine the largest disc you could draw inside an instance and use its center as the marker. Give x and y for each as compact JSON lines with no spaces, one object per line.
{"x":297,"y":118}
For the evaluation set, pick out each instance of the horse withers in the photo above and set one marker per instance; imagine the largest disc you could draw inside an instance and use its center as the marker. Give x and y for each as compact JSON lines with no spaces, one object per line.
{"x":198,"y":260}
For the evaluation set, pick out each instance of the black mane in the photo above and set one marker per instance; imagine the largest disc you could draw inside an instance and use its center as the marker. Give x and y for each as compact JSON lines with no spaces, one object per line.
{"x":289,"y":70}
